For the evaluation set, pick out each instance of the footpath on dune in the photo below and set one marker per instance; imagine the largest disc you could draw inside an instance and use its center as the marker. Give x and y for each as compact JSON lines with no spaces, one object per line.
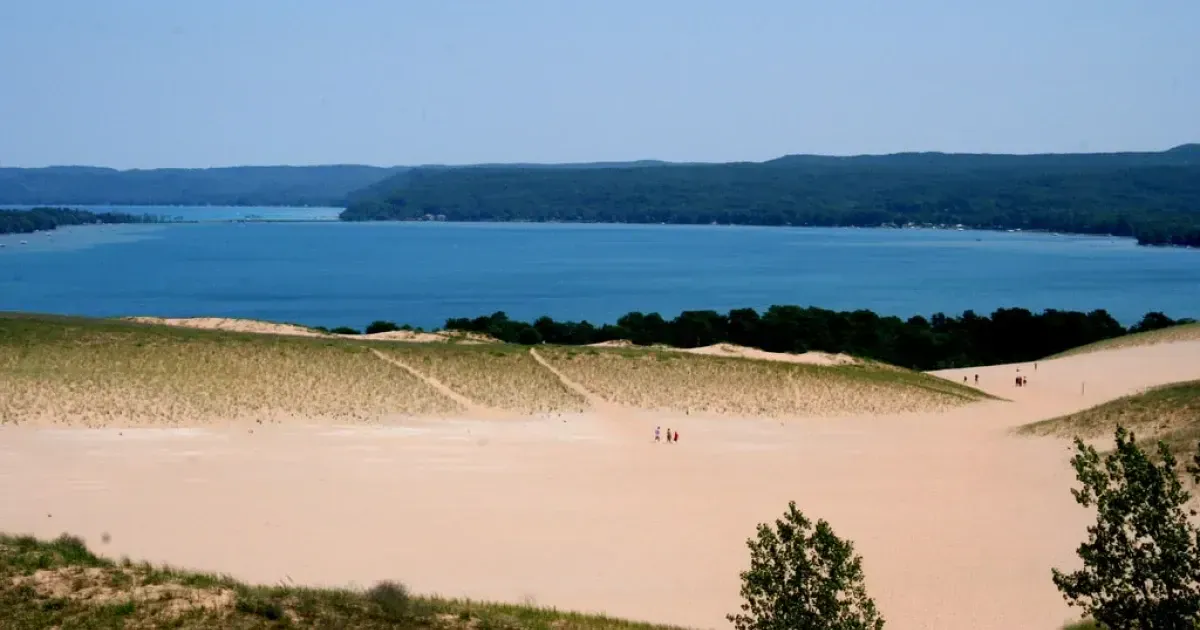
{"x":468,"y":405}
{"x":958,"y":521}
{"x":592,"y":399}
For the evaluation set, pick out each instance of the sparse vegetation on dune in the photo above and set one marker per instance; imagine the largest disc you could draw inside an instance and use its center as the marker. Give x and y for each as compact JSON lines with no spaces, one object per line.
{"x":114,"y":372}
{"x":496,"y":375}
{"x":60,"y":583}
{"x":103,"y":372}
{"x":681,"y":382}
{"x":1170,"y":413}
{"x":1172,"y":334}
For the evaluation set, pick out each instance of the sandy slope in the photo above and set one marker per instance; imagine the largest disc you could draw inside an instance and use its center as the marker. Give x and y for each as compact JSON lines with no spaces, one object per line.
{"x":810,"y":358}
{"x":959,"y":522}
{"x":271,"y":328}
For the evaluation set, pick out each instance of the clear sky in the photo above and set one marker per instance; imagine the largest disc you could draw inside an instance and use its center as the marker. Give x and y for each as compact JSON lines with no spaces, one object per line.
{"x":156,"y":83}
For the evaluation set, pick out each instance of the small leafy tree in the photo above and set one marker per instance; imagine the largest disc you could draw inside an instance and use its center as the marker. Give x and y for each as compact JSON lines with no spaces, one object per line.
{"x":1141,"y":560}
{"x":803,"y":578}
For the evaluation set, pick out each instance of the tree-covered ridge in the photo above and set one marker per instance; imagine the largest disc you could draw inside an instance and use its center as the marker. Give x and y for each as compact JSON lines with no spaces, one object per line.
{"x":1009,"y":335}
{"x":29,"y":221}
{"x":1154,"y":197}
{"x":234,"y":186}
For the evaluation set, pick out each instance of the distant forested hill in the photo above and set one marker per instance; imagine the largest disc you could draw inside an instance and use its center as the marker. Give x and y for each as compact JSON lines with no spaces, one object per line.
{"x":1152,"y":196}
{"x":234,"y":186}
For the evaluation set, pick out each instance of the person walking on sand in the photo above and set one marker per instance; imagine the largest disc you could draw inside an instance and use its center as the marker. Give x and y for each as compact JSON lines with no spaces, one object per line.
{"x":668,"y":435}
{"x":677,"y":437}
{"x":976,"y":379}
{"x":657,"y":432}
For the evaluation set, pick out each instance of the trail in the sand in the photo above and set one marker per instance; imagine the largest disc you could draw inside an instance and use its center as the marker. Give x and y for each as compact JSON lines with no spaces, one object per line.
{"x":623,"y":423}
{"x":958,"y":521}
{"x":596,"y":402}
{"x":470,"y":406}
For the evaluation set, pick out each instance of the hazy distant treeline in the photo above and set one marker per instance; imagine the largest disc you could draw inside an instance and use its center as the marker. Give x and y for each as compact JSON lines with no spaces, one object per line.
{"x":28,"y":221}
{"x":232,"y":186}
{"x":1154,"y":197}
{"x":941,"y":341}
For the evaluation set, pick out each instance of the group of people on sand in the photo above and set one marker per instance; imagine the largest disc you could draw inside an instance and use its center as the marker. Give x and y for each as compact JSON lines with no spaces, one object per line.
{"x":1022,"y":381}
{"x":670,"y":437}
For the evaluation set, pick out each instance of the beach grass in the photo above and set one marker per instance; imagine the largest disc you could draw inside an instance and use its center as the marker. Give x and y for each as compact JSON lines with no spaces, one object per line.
{"x":61,"y":584}
{"x":496,"y":375}
{"x":1170,"y":413}
{"x":1181,"y":332}
{"x":109,"y":372}
{"x":97,"y":372}
{"x":693,"y":383}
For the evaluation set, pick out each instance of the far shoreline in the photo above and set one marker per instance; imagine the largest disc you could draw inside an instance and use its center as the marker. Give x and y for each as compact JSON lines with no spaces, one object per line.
{"x":169,"y":219}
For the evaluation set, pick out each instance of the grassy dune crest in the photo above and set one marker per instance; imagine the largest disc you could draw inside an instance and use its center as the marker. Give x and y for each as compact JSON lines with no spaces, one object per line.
{"x":676,"y":381}
{"x":496,"y":375}
{"x":1182,"y":332}
{"x":1170,"y":413}
{"x":59,"y":370}
{"x":61,"y":584}
{"x":102,"y":372}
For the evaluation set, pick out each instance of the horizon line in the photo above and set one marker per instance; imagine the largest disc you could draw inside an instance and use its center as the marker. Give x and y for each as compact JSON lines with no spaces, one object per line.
{"x":585,"y":163}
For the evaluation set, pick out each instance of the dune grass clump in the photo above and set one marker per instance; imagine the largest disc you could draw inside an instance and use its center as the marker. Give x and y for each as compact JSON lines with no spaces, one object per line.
{"x":675,"y":381}
{"x":103,"y":372}
{"x":500,"y":376}
{"x":1170,"y":413}
{"x":1172,"y":334}
{"x":61,"y":584}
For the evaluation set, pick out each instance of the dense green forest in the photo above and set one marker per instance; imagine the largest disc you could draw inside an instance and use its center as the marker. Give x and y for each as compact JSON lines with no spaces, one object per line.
{"x":1009,"y":335}
{"x":235,"y":186}
{"x":28,"y":221}
{"x":1154,"y":197}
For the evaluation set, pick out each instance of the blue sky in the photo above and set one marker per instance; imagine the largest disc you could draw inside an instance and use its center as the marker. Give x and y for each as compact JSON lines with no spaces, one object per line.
{"x":185,"y":83}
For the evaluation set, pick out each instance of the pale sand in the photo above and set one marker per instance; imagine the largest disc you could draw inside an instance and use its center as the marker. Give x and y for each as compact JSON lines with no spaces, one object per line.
{"x":958,"y":521}
{"x":810,"y":358}
{"x":230,"y":324}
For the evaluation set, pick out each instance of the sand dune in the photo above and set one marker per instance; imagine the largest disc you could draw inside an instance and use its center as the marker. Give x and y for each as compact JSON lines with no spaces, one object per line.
{"x":1169,"y":413}
{"x":1172,"y":334}
{"x":110,"y":373}
{"x":272,"y":328}
{"x":958,"y":520}
{"x":742,"y":352}
{"x":682,"y":382}
{"x":230,"y":324}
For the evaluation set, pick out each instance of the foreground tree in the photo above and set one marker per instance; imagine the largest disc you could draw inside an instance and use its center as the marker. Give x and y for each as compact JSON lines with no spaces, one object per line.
{"x":1141,"y":561}
{"x":803,"y":578}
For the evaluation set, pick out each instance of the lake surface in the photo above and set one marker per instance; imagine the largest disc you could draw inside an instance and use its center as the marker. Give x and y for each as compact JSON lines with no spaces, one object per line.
{"x":331,"y":273}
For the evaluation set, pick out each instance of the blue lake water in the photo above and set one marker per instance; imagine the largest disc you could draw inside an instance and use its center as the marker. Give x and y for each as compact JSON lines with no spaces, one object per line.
{"x":331,"y":273}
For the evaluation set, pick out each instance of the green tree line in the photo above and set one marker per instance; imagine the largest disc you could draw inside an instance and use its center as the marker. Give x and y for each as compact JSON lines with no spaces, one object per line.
{"x":1153,"y":197}
{"x":40,"y":219}
{"x":1008,"y":335}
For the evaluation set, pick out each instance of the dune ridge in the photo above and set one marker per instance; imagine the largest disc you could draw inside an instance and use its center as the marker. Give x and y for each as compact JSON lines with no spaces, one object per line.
{"x":118,"y":373}
{"x":1170,"y":413}
{"x":1172,"y":334}
{"x":254,"y":326}
{"x":958,"y":519}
